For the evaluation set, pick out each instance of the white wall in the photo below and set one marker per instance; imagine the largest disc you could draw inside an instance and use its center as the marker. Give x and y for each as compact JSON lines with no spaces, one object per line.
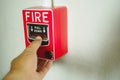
{"x":94,"y":39}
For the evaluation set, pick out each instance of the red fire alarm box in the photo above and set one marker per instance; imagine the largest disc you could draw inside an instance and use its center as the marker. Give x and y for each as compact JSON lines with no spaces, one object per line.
{"x":51,"y":24}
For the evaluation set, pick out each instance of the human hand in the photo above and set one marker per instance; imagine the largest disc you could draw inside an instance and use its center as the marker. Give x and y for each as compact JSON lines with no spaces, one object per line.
{"x":26,"y":66}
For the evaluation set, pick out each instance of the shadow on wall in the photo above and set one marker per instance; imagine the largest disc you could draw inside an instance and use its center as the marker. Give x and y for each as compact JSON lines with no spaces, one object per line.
{"x":112,"y":59}
{"x":74,"y":68}
{"x":110,"y":66}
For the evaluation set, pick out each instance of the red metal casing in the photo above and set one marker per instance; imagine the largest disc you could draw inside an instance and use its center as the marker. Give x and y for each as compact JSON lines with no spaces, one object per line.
{"x":55,"y":43}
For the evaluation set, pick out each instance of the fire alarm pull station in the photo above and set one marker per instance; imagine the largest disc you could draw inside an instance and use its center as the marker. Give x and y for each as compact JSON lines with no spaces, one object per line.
{"x":50,"y":23}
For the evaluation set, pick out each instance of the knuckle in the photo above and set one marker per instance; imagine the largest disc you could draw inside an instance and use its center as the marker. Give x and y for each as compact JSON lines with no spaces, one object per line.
{"x":28,"y":50}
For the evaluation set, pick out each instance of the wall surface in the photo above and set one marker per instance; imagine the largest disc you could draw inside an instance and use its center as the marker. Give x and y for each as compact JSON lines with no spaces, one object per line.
{"x":94,"y":39}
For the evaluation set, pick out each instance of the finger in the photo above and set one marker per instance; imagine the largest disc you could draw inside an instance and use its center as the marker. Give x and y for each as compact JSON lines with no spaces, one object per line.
{"x":35,"y":44}
{"x":45,"y":67}
{"x":40,"y":64}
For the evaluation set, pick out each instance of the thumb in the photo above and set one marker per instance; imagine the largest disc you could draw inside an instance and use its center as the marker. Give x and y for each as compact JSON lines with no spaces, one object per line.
{"x":35,"y":44}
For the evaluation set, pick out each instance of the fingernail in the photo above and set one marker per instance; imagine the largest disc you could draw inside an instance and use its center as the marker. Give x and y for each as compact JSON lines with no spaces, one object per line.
{"x":38,"y":38}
